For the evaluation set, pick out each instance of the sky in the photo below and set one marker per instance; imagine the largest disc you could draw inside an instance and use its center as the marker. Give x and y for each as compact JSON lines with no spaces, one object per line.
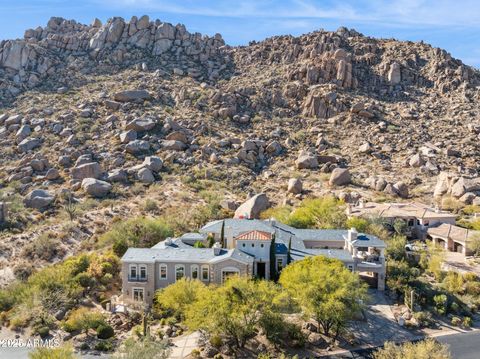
{"x":448,"y":24}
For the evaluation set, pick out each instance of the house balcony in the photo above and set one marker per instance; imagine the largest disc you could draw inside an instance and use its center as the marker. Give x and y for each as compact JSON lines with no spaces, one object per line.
{"x":137,"y":279}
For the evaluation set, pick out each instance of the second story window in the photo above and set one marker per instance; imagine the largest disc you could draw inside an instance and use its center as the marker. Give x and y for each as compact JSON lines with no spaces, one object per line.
{"x":133,"y":271}
{"x":143,"y":272}
{"x":163,"y":271}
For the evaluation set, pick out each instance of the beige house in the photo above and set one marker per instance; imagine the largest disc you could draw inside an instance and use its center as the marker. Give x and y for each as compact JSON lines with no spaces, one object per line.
{"x":247,"y":251}
{"x":418,"y":217}
{"x":452,"y":238}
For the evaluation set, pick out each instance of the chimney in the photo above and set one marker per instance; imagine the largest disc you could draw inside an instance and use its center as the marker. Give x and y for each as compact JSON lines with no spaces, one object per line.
{"x":352,"y":235}
{"x":229,"y":242}
{"x":217,"y":249}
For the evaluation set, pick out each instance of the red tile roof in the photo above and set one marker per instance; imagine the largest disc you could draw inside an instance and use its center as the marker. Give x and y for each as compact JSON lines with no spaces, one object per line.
{"x":255,"y":235}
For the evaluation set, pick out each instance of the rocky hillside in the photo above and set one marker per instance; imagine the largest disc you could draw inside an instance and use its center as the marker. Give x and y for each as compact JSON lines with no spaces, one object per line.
{"x":129,"y":111}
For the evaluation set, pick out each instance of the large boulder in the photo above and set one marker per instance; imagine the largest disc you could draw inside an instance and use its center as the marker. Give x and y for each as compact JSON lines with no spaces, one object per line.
{"x":38,"y":199}
{"x":141,"y":124}
{"x":29,"y":144}
{"x":132,"y":96}
{"x":137,"y":147}
{"x":340,"y":177}
{"x":295,"y":185}
{"x":144,"y":175}
{"x":87,"y":170}
{"x":306,"y":160}
{"x":173,"y":145}
{"x":253,"y":207}
{"x":153,"y":163}
{"x":95,"y":187}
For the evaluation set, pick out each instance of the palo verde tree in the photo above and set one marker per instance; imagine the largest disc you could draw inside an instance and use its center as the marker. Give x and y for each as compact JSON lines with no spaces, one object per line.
{"x":325,"y":290}
{"x":235,"y":309}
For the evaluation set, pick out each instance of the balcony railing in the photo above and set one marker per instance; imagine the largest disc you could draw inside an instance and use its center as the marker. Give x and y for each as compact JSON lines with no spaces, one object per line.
{"x":137,"y":279}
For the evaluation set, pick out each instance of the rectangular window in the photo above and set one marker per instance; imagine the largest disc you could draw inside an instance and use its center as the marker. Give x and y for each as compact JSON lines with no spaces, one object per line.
{"x":205,"y":272}
{"x":194,"y":272}
{"x":179,"y":272}
{"x":138,"y":294}
{"x":279,"y":264}
{"x":163,"y":271}
{"x":133,"y":272}
{"x":143,"y":272}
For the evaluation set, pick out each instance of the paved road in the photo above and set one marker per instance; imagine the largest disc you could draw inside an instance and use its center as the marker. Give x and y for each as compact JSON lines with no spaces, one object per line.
{"x":463,"y":345}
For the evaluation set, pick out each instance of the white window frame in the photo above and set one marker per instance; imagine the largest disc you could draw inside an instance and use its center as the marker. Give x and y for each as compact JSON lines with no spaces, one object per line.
{"x":207,"y":269}
{"x":193,"y":268}
{"x":130,"y":267}
{"x":140,"y":267}
{"x":142,"y":290}
{"x":177,"y":267}
{"x":162,"y":265}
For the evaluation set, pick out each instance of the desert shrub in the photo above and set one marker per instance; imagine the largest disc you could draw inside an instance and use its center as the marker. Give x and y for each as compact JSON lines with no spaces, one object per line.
{"x":151,"y":205}
{"x":456,"y":321}
{"x":472,"y":288}
{"x":326,"y":212}
{"x":453,"y":282}
{"x":199,"y":244}
{"x":83,"y":319}
{"x":423,"y":318}
{"x":104,"y":346}
{"x":400,"y":275}
{"x":23,"y":271}
{"x":425,"y":349}
{"x":62,"y":352}
{"x":143,"y":348}
{"x":216,"y":341}
{"x":440,"y":301}
{"x":136,"y":232}
{"x":84,"y":279}
{"x":105,"y":331}
{"x":467,"y":322}
{"x":45,"y":247}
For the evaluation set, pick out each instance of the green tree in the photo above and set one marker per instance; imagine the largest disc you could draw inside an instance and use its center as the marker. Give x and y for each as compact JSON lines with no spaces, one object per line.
{"x":199,"y":244}
{"x":137,"y":232}
{"x":427,"y":349}
{"x":62,"y":352}
{"x":234,"y":309}
{"x":396,"y":247}
{"x":143,"y":348}
{"x":360,"y":224}
{"x":326,"y":212}
{"x":222,"y":235}
{"x":178,"y":296}
{"x":273,"y":267}
{"x":325,"y":290}
{"x":400,"y":227}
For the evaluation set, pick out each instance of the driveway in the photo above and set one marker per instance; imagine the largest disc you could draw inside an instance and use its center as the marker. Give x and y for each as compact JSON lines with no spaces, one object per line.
{"x":183,"y":345}
{"x":379,"y":325}
{"x":457,"y":262}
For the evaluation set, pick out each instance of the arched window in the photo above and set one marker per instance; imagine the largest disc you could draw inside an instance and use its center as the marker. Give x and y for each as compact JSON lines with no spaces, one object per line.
{"x":205,"y":273}
{"x":163,"y":271}
{"x":179,"y":271}
{"x":194,"y":269}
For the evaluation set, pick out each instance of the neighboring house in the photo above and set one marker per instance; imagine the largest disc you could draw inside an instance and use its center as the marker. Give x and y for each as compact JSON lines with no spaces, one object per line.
{"x":452,"y":238}
{"x":418,"y":217}
{"x":247,"y":251}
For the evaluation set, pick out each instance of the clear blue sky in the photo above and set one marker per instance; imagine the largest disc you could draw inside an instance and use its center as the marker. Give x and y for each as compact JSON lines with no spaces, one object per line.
{"x":452,"y":25}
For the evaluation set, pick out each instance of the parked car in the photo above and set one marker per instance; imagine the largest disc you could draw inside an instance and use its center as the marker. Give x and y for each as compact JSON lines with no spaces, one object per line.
{"x":415,"y":246}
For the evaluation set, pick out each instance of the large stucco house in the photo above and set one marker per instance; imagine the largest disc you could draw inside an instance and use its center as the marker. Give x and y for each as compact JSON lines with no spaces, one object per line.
{"x":245,"y":251}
